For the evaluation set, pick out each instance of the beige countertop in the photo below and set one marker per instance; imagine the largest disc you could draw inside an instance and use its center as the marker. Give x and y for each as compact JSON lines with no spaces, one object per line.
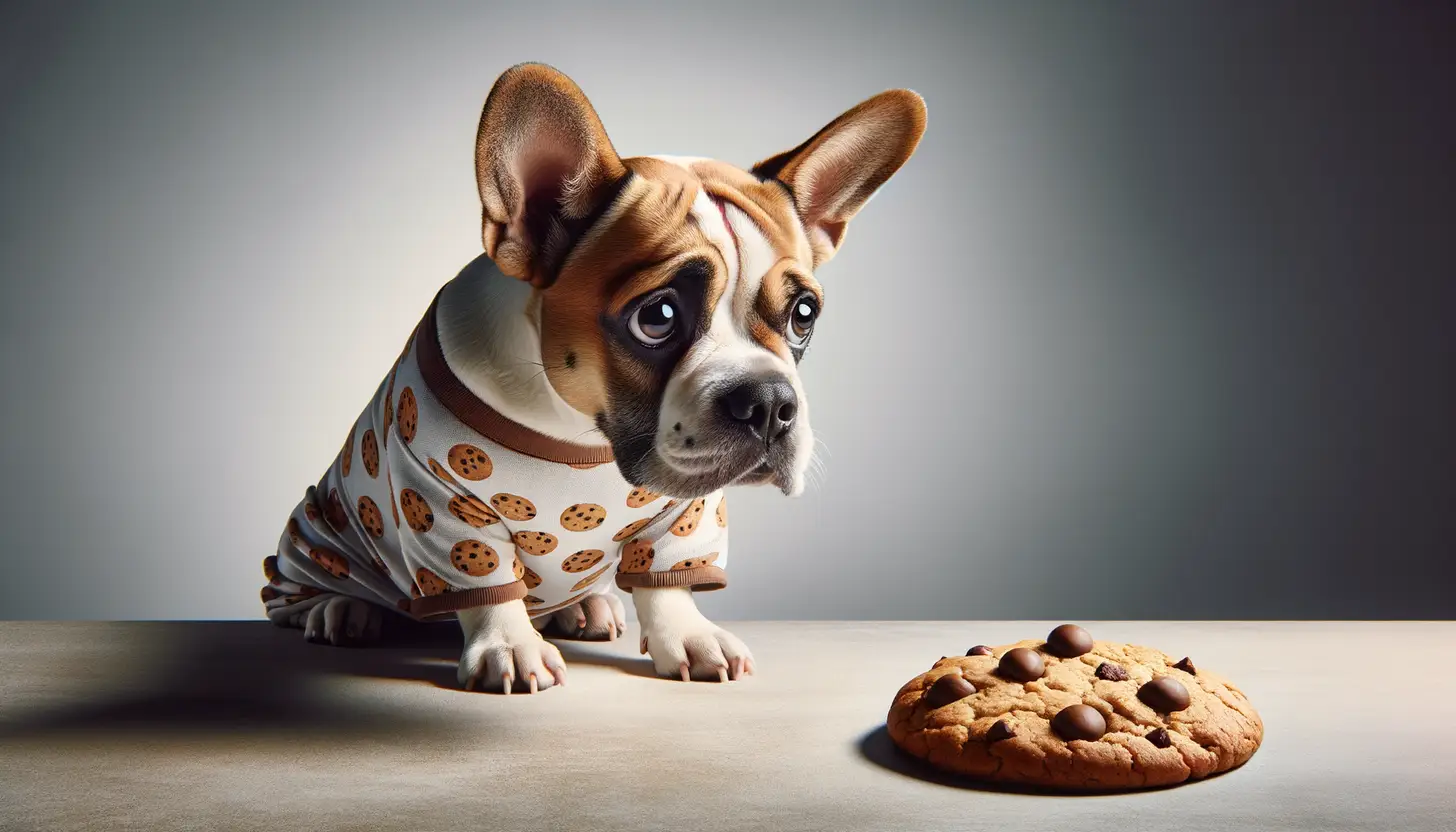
{"x":239,"y":725}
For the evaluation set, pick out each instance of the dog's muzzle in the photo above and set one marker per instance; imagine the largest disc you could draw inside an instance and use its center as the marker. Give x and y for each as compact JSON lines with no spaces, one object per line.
{"x":756,"y":415}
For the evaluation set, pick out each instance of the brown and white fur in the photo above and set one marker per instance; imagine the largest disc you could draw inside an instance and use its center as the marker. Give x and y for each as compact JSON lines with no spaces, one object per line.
{"x":540,"y":329}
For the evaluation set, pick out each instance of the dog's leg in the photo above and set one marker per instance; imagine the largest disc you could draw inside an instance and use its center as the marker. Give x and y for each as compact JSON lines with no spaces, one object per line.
{"x":683,"y":643}
{"x":597,"y":617}
{"x":503,"y":650}
{"x":333,"y":619}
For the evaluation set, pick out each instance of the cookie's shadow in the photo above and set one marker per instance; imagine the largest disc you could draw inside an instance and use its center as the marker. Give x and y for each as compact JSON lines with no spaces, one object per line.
{"x":877,"y":747}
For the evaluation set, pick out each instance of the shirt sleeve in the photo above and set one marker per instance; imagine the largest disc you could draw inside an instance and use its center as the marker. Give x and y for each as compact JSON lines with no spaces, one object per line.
{"x":456,"y":550}
{"x":687,"y":547}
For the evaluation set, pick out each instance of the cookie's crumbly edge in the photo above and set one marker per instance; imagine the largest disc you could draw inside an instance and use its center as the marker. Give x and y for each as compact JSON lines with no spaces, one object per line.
{"x":1219,"y":730}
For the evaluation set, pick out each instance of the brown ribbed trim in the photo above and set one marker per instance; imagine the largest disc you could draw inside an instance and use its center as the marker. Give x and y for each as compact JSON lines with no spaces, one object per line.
{"x":484,"y":419}
{"x":433,"y":605}
{"x":700,"y":578}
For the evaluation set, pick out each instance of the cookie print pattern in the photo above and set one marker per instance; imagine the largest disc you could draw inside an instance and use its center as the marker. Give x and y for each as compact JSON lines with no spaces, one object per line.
{"x":583,"y":560}
{"x":346,"y":460}
{"x":474,"y":558}
{"x":330,"y":561}
{"x":439,"y":470}
{"x":429,"y":583}
{"x":590,"y":579}
{"x":309,"y":509}
{"x":535,"y":543}
{"x":370,"y":517}
{"x":416,"y":511}
{"x":408,"y":414}
{"x":470,"y":462}
{"x":688,"y":521}
{"x":369,"y":452}
{"x":693,"y":563}
{"x":471,"y":509}
{"x":513,"y":507}
{"x":583,"y":517}
{"x":529,"y":577}
{"x":631,"y":529}
{"x":637,"y":557}
{"x":639,"y":497}
{"x":723,"y":513}
{"x":334,"y":512}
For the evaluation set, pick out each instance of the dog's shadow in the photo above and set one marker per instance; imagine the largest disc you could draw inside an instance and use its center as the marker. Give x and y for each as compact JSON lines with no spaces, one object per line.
{"x":256,"y":680}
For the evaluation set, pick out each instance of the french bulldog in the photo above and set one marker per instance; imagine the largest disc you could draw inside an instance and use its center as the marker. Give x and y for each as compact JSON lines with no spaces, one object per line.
{"x":569,"y":410}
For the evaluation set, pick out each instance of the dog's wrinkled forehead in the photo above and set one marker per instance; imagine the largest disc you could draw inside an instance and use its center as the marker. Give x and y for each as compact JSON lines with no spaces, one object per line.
{"x":733,"y":241}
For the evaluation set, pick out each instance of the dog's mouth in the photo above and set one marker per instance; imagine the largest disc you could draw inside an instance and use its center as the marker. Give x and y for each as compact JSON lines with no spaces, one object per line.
{"x":665,"y":473}
{"x":765,"y":474}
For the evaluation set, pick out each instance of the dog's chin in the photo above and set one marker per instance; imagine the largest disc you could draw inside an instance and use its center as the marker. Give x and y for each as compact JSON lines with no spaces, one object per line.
{"x":766,"y":474}
{"x":658,"y":474}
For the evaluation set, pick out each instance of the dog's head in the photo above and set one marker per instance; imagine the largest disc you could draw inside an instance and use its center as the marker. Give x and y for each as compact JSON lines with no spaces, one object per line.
{"x":676,"y":296}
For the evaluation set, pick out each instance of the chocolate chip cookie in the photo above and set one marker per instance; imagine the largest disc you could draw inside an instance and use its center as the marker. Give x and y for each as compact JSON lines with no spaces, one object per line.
{"x":535,"y":543}
{"x":687,"y":522}
{"x":371,"y":517}
{"x":474,"y":558}
{"x":583,"y":517}
{"x":1069,"y":712}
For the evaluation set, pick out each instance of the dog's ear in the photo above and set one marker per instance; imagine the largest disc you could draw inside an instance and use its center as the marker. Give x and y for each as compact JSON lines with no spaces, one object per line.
{"x":835,"y":172}
{"x":544,"y":165}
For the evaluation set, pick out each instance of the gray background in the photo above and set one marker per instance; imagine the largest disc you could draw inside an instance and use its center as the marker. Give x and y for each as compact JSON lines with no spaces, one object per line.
{"x":1156,"y":324}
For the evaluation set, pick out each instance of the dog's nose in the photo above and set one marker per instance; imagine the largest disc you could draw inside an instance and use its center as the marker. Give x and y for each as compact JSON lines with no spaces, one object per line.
{"x":765,"y":405}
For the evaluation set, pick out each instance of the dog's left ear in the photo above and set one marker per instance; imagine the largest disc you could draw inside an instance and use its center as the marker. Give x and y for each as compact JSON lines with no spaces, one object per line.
{"x":544,"y":165}
{"x":835,"y":172}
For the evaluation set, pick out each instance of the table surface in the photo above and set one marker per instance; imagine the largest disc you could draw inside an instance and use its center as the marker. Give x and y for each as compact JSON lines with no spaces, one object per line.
{"x":240,"y":725}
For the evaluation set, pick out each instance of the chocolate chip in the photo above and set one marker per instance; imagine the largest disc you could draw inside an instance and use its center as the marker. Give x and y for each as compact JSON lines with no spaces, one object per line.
{"x":949,"y":688}
{"x":1079,"y":722}
{"x":1002,"y":730}
{"x":1164,"y":694}
{"x":1021,"y":664}
{"x":1186,"y":665}
{"x":1160,"y":738}
{"x":1069,"y":641}
{"x":979,"y":650}
{"x":1111,"y":672}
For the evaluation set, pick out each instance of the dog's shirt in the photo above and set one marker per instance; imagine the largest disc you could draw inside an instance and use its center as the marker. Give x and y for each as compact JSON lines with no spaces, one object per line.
{"x":480,"y":510}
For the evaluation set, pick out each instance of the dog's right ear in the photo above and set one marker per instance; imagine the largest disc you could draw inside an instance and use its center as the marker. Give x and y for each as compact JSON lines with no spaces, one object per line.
{"x":544,"y":165}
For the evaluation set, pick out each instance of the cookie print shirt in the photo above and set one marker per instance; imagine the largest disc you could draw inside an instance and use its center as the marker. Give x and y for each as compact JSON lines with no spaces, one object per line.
{"x":437,"y":503}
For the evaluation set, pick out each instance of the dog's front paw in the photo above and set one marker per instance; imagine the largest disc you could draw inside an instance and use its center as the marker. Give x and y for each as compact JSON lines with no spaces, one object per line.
{"x":685,"y":644}
{"x":703,"y":653}
{"x":503,"y":651}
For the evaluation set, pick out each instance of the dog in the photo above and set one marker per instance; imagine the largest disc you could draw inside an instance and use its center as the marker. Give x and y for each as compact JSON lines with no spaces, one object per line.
{"x":574,"y":402}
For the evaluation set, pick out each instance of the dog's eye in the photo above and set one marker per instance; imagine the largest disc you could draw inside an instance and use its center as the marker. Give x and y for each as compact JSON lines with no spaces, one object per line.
{"x":801,"y":319}
{"x":654,"y":322}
